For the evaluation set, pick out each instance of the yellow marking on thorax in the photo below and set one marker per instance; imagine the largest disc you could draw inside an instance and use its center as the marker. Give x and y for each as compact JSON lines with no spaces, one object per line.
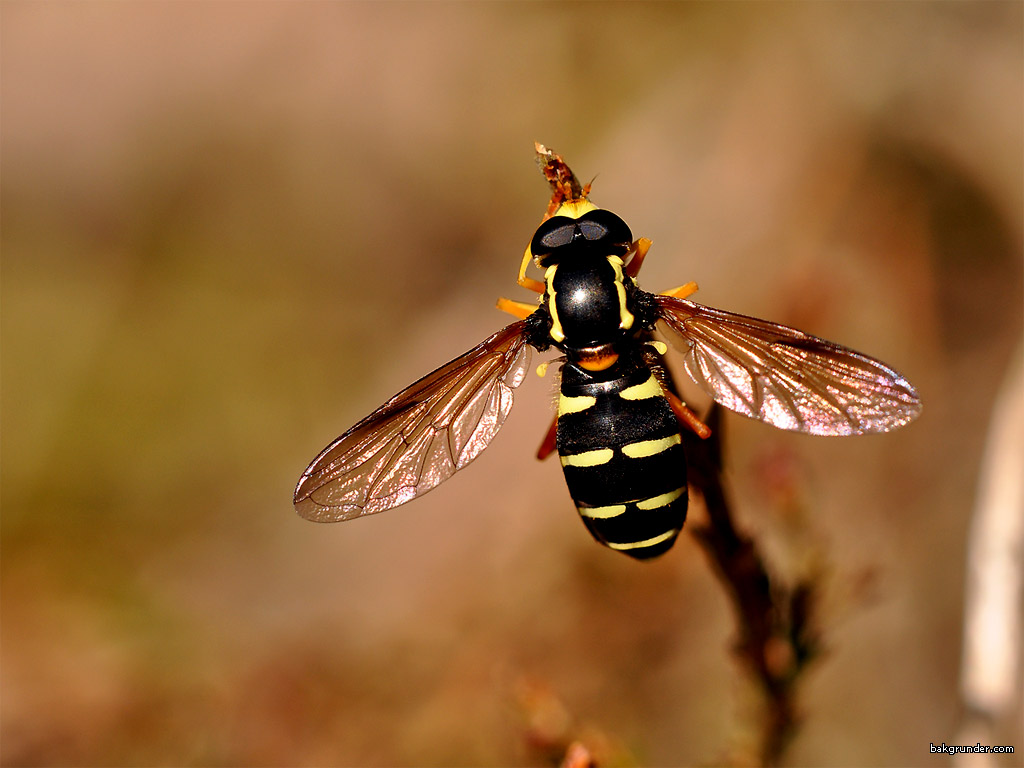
{"x":569,"y":404}
{"x":625,"y":316}
{"x":602,"y":513}
{"x":588,"y":458}
{"x":556,"y":331}
{"x":646,"y":542}
{"x":650,"y":388}
{"x":646,"y":448}
{"x":661,"y":501}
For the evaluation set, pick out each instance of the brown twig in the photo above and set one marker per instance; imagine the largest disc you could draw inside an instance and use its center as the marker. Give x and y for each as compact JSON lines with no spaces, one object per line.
{"x":777,"y":639}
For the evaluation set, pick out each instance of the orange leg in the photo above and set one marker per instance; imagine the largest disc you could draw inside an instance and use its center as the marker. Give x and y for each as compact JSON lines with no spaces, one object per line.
{"x":688,"y":418}
{"x":640,"y":248}
{"x":681,"y":291}
{"x":547,"y":447}
{"x":516,"y":308}
{"x":530,"y":283}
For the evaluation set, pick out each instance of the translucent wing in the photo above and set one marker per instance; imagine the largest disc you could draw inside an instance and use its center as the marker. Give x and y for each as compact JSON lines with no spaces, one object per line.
{"x":786,"y":377}
{"x":420,"y":437}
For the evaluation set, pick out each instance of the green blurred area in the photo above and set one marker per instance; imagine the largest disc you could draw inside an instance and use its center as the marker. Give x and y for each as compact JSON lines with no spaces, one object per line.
{"x":231,"y":230}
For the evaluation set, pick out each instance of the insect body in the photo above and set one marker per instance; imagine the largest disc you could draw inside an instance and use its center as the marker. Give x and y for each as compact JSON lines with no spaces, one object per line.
{"x":619,"y":422}
{"x":621,"y":451}
{"x":617,"y":436}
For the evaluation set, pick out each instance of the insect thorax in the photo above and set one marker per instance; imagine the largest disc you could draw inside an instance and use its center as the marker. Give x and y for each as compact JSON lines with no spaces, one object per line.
{"x":590,"y":301}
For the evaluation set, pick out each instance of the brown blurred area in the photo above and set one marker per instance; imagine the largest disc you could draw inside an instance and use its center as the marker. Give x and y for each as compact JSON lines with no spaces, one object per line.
{"x":230,"y":230}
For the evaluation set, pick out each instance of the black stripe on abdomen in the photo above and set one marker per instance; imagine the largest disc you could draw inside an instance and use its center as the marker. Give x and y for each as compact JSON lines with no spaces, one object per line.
{"x":624,"y":462}
{"x":638,"y":530}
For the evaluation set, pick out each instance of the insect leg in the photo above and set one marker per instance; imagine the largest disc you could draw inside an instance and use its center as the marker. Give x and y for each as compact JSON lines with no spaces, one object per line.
{"x":640,"y":248}
{"x":687,"y":418}
{"x":681,"y":291}
{"x":547,"y":446}
{"x":518,"y":309}
{"x":533,"y":285}
{"x":529,"y":282}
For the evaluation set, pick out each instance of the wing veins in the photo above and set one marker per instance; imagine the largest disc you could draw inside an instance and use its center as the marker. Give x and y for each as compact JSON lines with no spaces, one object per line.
{"x":398,"y":451}
{"x":786,"y":377}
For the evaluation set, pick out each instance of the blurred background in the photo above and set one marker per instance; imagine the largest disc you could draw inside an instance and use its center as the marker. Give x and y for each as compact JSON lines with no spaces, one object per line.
{"x":231,"y":230}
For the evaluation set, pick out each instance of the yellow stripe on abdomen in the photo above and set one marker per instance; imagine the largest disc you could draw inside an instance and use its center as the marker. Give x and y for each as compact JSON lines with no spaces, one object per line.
{"x":661,"y":501}
{"x":645,"y":543}
{"x":588,"y":458}
{"x":650,"y":388}
{"x":646,"y":448}
{"x":602,"y":513}
{"x":571,"y":404}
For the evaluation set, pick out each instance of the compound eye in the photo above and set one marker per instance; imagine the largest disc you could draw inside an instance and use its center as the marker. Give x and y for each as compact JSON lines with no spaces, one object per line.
{"x":605,"y":226}
{"x":593,"y":230}
{"x":553,"y":233}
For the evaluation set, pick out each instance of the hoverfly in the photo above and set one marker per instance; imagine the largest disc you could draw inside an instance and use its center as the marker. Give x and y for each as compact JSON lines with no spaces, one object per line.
{"x":619,"y":421}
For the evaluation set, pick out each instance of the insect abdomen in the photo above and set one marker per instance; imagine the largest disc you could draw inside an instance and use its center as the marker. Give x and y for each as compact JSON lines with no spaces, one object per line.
{"x":620,"y":449}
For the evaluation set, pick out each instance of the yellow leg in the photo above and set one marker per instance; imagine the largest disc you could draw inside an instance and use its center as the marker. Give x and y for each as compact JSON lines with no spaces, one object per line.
{"x":640,"y":248}
{"x":516,"y":308}
{"x":529,"y":282}
{"x":681,"y":291}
